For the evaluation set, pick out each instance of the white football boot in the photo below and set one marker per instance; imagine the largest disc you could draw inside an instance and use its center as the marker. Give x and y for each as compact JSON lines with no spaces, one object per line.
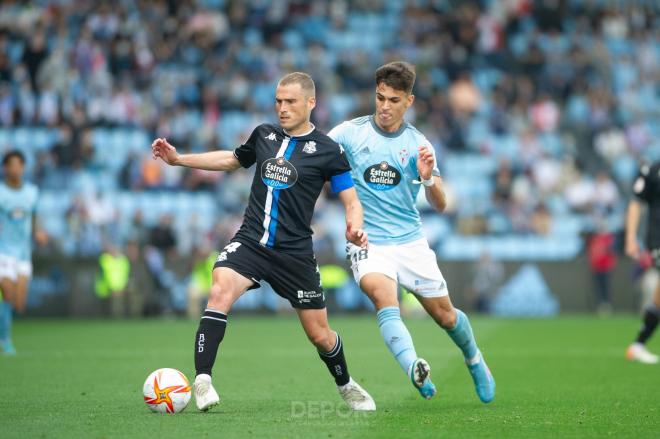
{"x":356,"y":397}
{"x":638,"y":352}
{"x":205,"y":395}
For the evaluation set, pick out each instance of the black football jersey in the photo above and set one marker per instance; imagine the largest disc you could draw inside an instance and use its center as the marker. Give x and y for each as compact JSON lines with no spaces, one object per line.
{"x":647,"y":189}
{"x":290,"y":174}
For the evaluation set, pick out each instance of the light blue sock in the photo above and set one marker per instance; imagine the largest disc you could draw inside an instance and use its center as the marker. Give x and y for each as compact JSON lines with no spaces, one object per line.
{"x":462,"y":335}
{"x":5,"y":320}
{"x":396,"y":336}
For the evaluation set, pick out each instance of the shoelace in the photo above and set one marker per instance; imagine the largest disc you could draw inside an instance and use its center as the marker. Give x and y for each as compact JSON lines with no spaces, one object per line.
{"x":202,"y":389}
{"x":353,"y":395}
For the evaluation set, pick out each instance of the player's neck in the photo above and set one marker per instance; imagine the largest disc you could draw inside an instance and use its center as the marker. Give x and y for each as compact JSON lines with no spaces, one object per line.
{"x":300,"y":131}
{"x":14,"y":183}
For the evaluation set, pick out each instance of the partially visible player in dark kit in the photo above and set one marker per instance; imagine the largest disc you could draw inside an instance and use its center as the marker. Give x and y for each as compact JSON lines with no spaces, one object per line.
{"x":646,"y":190}
{"x":274,"y":243}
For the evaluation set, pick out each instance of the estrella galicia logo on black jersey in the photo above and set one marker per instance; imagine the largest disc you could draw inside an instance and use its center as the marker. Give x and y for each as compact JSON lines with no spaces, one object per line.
{"x":382,"y":177}
{"x":278,"y":173}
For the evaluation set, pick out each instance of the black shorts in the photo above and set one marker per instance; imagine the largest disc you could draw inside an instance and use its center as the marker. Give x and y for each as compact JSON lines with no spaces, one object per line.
{"x":294,"y":277}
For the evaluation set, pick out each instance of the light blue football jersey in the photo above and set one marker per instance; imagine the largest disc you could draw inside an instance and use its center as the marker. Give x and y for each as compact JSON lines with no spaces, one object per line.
{"x":17,"y":207}
{"x":384,"y":166}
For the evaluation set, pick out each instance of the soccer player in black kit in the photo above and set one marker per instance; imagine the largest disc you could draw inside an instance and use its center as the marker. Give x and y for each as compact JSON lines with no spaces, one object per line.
{"x":274,"y":243}
{"x":646,"y":191}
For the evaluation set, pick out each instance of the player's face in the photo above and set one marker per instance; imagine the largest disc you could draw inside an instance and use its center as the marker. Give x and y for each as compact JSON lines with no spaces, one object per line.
{"x":294,"y":107}
{"x":391,"y":105}
{"x":14,"y":169}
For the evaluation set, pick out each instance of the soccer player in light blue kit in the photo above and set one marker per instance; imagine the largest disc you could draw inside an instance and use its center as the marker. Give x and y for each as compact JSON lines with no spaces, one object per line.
{"x":18,"y":200}
{"x":390,"y":160}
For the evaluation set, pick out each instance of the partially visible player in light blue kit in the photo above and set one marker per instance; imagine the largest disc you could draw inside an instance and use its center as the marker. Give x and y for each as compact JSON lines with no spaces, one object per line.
{"x":18,"y":200}
{"x":390,"y":160}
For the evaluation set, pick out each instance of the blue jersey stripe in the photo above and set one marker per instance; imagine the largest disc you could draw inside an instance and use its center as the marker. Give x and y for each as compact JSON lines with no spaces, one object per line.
{"x":274,"y":211}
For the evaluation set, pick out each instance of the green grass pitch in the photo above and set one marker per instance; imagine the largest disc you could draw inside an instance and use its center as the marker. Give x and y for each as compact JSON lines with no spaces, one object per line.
{"x":564,"y":377}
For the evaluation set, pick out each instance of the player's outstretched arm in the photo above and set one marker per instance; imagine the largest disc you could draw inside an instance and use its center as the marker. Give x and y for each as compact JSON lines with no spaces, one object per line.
{"x":632,"y":222}
{"x":354,"y":217}
{"x":210,"y":161}
{"x":434,"y":192}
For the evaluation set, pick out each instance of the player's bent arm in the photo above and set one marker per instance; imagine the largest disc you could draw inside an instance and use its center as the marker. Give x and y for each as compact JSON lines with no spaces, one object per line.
{"x":435,"y":194}
{"x":354,"y":217}
{"x":353,"y":207}
{"x":210,"y":161}
{"x":632,"y":223}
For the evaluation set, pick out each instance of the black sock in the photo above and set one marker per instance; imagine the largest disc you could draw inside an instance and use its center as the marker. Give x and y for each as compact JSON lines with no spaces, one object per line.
{"x":336,"y":363}
{"x":649,"y":325}
{"x":209,"y":335}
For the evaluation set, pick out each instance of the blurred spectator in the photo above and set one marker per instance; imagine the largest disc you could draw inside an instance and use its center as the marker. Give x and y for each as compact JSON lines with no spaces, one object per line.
{"x":161,"y":236}
{"x":602,"y":260}
{"x":487,"y":277}
{"x":200,"y":280}
{"x":580,"y":193}
{"x":464,"y":96}
{"x":541,"y":221}
{"x":606,"y":193}
{"x":503,"y":182}
{"x":112,"y":281}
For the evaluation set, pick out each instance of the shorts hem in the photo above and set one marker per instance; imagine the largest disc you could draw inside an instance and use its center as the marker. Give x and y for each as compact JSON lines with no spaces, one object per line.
{"x":359,"y":279}
{"x":302,"y":306}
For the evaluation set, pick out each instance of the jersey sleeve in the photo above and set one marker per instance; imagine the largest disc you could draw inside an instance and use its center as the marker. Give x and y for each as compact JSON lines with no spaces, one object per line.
{"x":338,"y":133}
{"x":642,"y":186}
{"x":338,"y":170}
{"x":246,"y":153}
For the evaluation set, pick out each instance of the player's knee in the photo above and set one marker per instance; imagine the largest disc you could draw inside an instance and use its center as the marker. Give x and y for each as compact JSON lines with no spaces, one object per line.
{"x":446,"y":318}
{"x":8,"y":291}
{"x":382,"y":299}
{"x":219,"y":296}
{"x":215,"y":292}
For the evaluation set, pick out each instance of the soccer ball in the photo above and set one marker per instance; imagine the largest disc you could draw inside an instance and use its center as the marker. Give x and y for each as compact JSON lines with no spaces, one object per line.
{"x":166,"y":391}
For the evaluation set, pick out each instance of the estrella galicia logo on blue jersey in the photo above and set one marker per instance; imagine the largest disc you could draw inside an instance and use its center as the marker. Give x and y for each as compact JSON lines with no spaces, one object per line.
{"x":278,"y":173}
{"x":382,"y":177}
{"x":17,"y":214}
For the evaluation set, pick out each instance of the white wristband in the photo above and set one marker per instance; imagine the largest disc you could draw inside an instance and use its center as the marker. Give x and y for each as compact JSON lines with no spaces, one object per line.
{"x":429,"y":182}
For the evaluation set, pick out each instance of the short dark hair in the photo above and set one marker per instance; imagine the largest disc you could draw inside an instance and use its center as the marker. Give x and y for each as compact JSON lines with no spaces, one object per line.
{"x":399,"y":75}
{"x":306,"y":82}
{"x":13,"y":153}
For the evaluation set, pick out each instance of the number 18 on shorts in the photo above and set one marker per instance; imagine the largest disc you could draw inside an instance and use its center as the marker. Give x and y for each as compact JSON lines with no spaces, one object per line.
{"x":413,"y":265}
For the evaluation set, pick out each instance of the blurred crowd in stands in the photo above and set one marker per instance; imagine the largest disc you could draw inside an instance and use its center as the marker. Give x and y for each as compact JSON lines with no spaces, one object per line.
{"x":540,"y":111}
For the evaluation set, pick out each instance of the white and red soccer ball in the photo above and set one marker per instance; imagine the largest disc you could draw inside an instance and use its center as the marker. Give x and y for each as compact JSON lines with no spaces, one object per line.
{"x":166,"y":391}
